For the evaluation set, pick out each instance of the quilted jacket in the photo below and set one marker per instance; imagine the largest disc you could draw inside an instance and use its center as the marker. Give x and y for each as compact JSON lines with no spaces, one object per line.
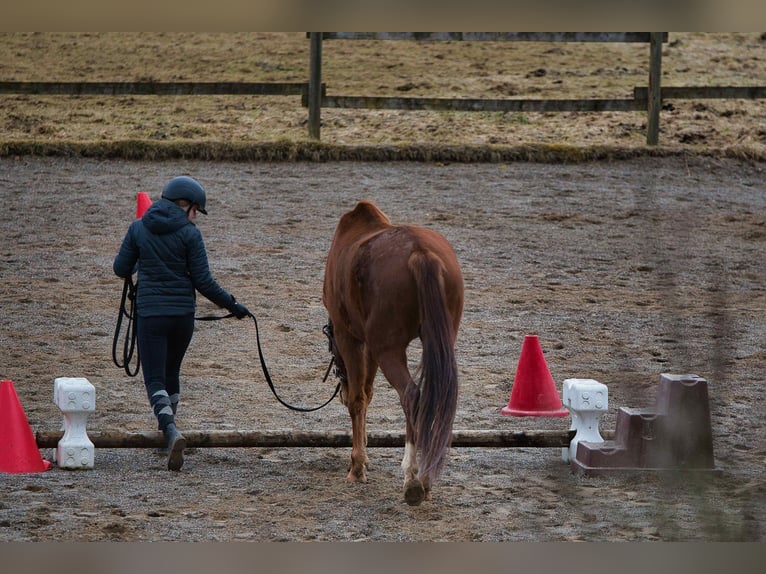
{"x":170,"y":254}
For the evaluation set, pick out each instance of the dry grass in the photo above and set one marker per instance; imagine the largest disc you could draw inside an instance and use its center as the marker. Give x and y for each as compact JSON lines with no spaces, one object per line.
{"x":236,"y":127}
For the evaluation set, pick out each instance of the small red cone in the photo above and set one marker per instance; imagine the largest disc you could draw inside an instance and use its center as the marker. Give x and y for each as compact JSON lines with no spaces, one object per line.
{"x":18,"y":447}
{"x":142,"y":204}
{"x":534,"y":391}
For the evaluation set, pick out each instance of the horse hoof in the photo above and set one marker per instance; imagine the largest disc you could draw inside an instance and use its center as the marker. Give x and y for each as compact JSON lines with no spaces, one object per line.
{"x":414,"y":493}
{"x":356,"y":477}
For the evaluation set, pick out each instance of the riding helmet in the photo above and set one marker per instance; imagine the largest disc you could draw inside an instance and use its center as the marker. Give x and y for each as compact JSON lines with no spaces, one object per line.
{"x":184,"y":187}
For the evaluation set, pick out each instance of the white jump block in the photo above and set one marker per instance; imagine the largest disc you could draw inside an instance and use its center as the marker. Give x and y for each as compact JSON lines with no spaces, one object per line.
{"x":76,"y":399}
{"x":587,"y":401}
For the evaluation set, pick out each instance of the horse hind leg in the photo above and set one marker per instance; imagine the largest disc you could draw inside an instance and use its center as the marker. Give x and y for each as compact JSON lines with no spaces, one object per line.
{"x":414,"y":491}
{"x":394,"y":367}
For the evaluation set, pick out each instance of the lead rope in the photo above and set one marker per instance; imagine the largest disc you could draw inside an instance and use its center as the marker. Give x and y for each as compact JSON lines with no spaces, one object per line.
{"x":129,"y":344}
{"x":327,"y":330}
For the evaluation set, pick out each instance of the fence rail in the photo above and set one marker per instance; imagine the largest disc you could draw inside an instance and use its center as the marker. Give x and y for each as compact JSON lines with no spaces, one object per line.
{"x":484,"y":105}
{"x":156,"y":88}
{"x":705,"y":92}
{"x":496,"y":36}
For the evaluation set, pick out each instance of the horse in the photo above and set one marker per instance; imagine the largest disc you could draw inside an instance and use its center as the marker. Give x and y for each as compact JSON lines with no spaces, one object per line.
{"x":385,"y":285}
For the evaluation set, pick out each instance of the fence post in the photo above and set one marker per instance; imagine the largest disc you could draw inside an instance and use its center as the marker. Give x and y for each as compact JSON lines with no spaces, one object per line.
{"x":655,"y":91}
{"x":315,"y":84}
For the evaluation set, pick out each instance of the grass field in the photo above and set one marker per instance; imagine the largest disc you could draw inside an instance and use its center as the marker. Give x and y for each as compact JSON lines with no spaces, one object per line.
{"x":275,"y":127}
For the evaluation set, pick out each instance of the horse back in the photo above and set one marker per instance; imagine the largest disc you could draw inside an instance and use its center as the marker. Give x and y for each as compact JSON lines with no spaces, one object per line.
{"x":370,"y":271}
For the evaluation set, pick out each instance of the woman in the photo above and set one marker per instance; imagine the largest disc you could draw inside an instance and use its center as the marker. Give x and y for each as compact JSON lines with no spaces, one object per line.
{"x":172,"y":266}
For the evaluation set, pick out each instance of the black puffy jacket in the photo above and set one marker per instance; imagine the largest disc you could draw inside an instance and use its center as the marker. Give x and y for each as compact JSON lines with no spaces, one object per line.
{"x":172,"y":263}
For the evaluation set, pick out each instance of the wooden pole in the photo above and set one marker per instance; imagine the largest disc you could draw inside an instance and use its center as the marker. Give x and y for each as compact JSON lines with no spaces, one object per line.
{"x":315,"y":84}
{"x":654,"y":103}
{"x":290,"y":438}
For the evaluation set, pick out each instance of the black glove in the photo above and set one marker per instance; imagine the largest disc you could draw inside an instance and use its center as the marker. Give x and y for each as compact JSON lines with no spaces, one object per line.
{"x":239,"y":310}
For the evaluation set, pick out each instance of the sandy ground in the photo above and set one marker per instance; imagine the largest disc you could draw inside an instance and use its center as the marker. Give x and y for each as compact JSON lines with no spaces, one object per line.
{"x":625,"y":271}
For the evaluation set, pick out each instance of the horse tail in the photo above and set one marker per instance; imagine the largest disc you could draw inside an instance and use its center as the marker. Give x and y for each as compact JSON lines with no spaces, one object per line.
{"x":437,"y":405}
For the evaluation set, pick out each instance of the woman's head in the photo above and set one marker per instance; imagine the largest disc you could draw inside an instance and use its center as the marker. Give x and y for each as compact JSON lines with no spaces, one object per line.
{"x":188,"y":190}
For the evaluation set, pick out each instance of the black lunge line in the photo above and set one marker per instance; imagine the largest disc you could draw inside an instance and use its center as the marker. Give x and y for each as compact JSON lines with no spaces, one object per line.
{"x":129,"y":344}
{"x":265,"y":369}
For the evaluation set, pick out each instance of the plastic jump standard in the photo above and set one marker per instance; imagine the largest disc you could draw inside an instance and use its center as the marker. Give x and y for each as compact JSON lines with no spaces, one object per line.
{"x":675,"y":435}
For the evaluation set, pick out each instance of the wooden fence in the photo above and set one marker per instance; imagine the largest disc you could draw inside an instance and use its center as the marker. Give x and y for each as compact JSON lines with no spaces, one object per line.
{"x":314,"y":93}
{"x":649,"y":99}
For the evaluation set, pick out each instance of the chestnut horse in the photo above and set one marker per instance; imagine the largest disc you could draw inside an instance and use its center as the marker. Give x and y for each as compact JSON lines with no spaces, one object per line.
{"x":384,"y":286}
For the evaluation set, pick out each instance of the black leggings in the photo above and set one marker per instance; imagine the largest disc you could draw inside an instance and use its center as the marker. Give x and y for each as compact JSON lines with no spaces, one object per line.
{"x":162,"y":344}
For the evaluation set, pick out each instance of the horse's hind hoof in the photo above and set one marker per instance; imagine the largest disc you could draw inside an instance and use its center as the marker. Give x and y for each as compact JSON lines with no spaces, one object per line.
{"x":414,"y":493}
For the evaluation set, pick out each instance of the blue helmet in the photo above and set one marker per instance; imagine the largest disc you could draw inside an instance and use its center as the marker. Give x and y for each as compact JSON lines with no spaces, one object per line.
{"x":184,"y":187}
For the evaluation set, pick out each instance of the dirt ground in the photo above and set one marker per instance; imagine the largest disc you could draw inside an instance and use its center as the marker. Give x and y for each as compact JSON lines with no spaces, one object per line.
{"x":625,"y":270}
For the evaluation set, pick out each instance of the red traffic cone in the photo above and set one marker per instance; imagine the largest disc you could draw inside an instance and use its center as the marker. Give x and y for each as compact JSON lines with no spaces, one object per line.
{"x":142,"y":204}
{"x":534,"y":392}
{"x":18,"y":447}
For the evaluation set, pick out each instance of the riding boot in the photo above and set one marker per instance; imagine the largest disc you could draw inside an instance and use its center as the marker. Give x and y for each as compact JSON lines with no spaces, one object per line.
{"x":161,"y":450}
{"x":176,"y":446}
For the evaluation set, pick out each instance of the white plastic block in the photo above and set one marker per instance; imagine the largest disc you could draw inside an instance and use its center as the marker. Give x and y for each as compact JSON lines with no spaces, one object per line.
{"x":76,"y":399}
{"x":74,"y":394}
{"x":587,"y":401}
